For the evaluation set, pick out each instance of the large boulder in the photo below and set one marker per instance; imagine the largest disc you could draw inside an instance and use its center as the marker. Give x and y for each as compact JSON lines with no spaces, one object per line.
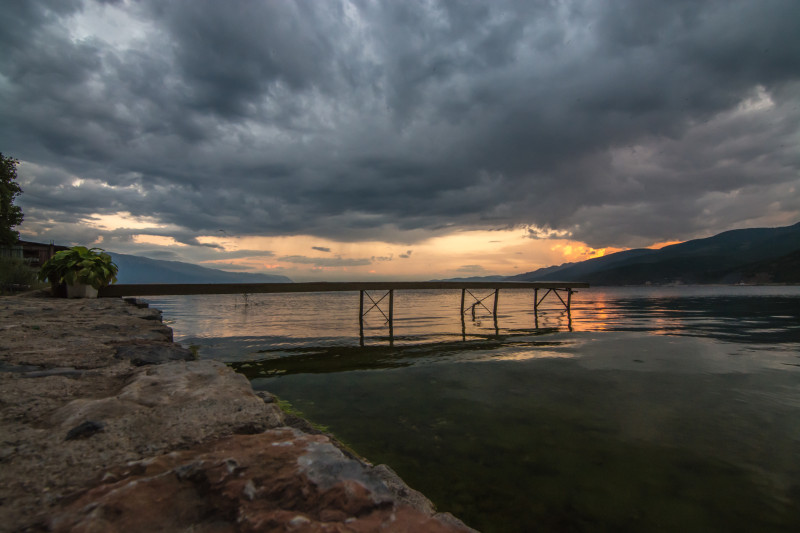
{"x":280,"y":480}
{"x":172,"y":404}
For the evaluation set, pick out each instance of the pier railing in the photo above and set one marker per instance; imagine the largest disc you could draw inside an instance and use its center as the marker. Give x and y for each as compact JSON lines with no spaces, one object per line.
{"x":562,"y":290}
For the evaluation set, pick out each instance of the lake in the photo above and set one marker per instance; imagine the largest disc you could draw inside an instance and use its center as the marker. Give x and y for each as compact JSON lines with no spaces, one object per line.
{"x":646,"y":409}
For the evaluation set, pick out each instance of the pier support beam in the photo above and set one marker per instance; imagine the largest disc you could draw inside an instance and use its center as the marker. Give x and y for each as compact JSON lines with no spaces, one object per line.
{"x":479,"y":301}
{"x":567,"y":304}
{"x":376,"y":305}
{"x":361,"y":317}
{"x":361,"y":308}
{"x":391,"y":317}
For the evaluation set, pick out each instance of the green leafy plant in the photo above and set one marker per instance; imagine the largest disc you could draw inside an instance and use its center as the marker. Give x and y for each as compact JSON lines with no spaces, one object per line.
{"x":80,"y":265}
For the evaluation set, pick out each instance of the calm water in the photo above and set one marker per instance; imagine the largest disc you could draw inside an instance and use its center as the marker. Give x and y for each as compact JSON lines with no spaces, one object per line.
{"x":670,"y":409}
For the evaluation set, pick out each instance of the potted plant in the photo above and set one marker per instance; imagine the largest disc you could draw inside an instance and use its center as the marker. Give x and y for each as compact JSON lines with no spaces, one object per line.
{"x":83,"y":270}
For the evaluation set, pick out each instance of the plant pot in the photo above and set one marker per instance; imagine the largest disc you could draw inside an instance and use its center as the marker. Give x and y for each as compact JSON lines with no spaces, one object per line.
{"x":80,"y":290}
{"x":58,"y":290}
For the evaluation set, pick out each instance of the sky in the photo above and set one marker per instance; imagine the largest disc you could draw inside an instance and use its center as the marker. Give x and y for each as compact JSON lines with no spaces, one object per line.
{"x":370,"y":140}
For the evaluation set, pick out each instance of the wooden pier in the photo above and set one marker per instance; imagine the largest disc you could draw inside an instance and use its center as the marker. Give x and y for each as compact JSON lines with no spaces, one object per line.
{"x":385,"y":288}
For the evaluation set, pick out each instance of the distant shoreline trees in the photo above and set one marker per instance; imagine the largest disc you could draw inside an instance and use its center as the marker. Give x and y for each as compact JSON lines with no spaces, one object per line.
{"x":10,"y":214}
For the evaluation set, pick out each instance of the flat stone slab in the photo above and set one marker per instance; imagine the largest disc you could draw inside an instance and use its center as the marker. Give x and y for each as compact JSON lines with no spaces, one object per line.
{"x":153,"y":354}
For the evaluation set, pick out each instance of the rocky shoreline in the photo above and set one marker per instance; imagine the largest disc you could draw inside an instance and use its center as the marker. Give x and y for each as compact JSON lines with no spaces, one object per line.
{"x":106,"y":425}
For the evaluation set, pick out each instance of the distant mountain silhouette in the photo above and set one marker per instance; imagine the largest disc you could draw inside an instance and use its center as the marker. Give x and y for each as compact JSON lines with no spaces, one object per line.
{"x":136,"y":269}
{"x":474,"y":278}
{"x":755,"y":255}
{"x":785,"y":269}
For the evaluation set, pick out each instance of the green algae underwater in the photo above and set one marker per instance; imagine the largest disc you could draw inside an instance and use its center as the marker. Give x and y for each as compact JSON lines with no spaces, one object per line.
{"x":657,"y":410}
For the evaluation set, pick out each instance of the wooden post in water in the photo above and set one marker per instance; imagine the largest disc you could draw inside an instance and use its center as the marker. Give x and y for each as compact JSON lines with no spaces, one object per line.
{"x":361,"y":317}
{"x":494,"y":311}
{"x":569,"y":309}
{"x":361,"y":308}
{"x":391,"y":317}
{"x":463,"y":321}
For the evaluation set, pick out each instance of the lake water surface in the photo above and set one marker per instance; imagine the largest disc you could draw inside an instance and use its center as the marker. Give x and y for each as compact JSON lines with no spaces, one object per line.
{"x":647,"y":409}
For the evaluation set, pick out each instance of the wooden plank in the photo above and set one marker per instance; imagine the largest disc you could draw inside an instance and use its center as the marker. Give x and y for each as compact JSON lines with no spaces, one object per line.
{"x":169,"y":289}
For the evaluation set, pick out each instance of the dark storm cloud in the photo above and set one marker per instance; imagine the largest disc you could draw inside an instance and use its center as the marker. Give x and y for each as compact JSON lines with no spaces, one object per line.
{"x":229,"y":55}
{"x":619,"y":123}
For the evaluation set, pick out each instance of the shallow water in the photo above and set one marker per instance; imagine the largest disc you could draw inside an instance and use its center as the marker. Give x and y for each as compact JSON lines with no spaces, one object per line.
{"x":645,"y":410}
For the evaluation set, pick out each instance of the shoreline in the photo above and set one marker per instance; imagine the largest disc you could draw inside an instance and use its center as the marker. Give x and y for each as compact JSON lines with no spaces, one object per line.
{"x":106,"y":424}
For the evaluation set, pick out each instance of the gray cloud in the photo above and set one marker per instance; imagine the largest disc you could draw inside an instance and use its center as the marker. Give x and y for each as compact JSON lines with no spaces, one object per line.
{"x":321,"y":248}
{"x":249,"y":253}
{"x":471,"y":269}
{"x":222,"y":265}
{"x":618,"y":123}
{"x":337,"y":261}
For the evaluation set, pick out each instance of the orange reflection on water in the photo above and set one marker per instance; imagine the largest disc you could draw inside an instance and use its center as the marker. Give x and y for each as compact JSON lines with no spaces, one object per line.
{"x":604,"y":310}
{"x":593,"y":313}
{"x":525,"y":355}
{"x":665,"y":325}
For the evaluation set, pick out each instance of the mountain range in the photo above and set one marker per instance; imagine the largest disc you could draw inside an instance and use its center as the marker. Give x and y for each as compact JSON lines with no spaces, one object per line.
{"x":137,"y":269}
{"x":754,"y":255}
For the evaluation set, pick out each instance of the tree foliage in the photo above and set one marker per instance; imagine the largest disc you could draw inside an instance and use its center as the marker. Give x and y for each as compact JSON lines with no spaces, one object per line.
{"x":10,"y":214}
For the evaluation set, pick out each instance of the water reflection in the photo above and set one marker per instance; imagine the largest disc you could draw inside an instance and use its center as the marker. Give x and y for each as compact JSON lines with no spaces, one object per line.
{"x":654,"y":410}
{"x":747,"y":317}
{"x":568,"y":445}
